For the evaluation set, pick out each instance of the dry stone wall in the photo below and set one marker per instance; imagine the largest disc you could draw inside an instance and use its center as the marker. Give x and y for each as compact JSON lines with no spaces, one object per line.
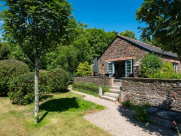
{"x":101,"y":81}
{"x":158,"y":92}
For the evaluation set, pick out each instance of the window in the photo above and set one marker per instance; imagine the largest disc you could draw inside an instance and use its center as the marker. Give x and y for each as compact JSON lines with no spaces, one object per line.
{"x":175,"y":67}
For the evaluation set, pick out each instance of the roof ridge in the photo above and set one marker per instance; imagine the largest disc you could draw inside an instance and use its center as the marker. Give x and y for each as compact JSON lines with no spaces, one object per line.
{"x":139,"y":41}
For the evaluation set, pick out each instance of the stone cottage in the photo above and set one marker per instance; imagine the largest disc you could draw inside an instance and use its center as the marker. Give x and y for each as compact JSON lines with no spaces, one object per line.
{"x":123,"y":56}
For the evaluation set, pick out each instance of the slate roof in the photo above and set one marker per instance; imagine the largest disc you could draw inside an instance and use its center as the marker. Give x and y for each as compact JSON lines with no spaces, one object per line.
{"x":147,"y":47}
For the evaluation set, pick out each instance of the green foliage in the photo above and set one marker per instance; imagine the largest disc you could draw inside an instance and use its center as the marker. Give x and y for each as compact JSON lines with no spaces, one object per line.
{"x":58,"y":80}
{"x":84,"y":69}
{"x":129,"y":34}
{"x":22,"y":88}
{"x":163,"y":23}
{"x":141,"y":113}
{"x":167,"y":72}
{"x":150,"y":65}
{"x":127,"y":102}
{"x":10,"y":69}
{"x":4,"y":51}
{"x":90,"y":88}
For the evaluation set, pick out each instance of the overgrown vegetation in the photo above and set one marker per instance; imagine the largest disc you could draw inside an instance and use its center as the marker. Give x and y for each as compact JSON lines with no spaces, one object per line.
{"x":10,"y":69}
{"x":84,"y":69}
{"x":152,"y":67}
{"x":167,"y":72}
{"x":140,"y":112}
{"x":63,"y":112}
{"x":90,"y":88}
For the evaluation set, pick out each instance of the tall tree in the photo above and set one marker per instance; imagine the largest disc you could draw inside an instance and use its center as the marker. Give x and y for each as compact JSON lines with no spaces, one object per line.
{"x":129,"y":34}
{"x":37,"y":26}
{"x":163,"y":19}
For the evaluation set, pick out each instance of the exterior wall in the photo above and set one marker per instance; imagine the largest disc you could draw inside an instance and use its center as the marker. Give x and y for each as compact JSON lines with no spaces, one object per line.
{"x":163,"y":93}
{"x":123,"y":50}
{"x":101,"y":81}
{"x":119,"y":49}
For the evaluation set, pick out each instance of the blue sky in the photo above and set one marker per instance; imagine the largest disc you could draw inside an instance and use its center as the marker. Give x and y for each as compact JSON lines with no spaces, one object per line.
{"x":117,"y":15}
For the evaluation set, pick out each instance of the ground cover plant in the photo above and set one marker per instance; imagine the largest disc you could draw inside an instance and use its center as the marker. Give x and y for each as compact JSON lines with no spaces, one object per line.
{"x":62,"y":115}
{"x":89,"y":88}
{"x":139,"y":109}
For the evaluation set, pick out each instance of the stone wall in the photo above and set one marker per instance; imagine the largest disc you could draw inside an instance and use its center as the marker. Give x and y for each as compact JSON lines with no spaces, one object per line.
{"x":120,"y":50}
{"x":158,"y":92}
{"x":101,"y":81}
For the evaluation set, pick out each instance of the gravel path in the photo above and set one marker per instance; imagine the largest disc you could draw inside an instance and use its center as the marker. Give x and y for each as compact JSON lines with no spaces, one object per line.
{"x":118,"y":121}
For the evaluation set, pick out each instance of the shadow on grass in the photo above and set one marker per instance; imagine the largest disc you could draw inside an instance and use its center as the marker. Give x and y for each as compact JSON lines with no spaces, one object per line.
{"x":59,"y":105}
{"x":149,"y":128}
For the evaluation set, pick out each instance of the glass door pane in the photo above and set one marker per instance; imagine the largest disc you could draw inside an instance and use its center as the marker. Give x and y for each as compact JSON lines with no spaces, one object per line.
{"x":110,"y":68}
{"x":128,"y":67}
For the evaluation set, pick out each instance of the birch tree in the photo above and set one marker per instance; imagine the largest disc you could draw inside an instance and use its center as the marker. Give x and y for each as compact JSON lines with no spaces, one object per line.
{"x":37,"y":26}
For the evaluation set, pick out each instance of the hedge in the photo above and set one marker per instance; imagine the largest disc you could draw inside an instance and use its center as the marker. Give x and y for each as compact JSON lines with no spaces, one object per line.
{"x":90,"y":88}
{"x":10,"y":69}
{"x":58,"y":80}
{"x":22,"y":88}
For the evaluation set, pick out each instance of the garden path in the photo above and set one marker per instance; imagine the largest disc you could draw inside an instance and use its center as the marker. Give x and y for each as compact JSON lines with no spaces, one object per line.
{"x":118,"y":121}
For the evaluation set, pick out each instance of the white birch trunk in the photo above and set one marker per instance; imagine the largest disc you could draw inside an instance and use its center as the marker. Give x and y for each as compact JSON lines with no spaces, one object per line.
{"x":36,"y":92}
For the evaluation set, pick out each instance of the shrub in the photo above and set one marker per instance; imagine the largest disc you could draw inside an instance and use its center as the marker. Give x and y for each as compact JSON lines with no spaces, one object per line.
{"x":10,"y":69}
{"x":127,"y":102}
{"x":22,"y":88}
{"x":90,"y":88}
{"x":140,"y":112}
{"x":84,"y":69}
{"x":167,"y":72}
{"x":58,"y":80}
{"x":150,"y":65}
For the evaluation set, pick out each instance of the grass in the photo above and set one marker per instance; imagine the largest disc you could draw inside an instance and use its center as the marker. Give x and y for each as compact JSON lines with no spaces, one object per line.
{"x":62,"y":115}
{"x":86,"y":91}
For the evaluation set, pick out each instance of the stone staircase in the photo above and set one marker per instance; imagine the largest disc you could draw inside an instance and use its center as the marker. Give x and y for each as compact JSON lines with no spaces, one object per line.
{"x":115,"y":94}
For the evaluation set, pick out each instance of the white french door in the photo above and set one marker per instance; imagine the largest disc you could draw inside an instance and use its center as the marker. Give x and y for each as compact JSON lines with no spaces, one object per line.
{"x":128,"y":67}
{"x":110,"y":68}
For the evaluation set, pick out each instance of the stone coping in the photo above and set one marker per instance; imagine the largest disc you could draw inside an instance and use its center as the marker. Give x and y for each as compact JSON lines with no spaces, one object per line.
{"x":152,"y":79}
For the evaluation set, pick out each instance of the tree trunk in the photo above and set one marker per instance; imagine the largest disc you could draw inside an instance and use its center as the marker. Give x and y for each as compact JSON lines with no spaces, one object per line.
{"x":36,"y":92}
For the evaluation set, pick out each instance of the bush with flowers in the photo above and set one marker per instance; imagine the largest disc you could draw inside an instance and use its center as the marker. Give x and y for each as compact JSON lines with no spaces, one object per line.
{"x":176,"y":128}
{"x":127,"y":101}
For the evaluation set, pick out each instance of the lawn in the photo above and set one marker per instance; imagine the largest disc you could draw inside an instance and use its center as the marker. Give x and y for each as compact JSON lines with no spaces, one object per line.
{"x":60,"y":115}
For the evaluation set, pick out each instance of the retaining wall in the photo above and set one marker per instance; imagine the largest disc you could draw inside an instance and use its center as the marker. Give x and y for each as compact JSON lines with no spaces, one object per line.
{"x":101,"y":81}
{"x":164,"y":93}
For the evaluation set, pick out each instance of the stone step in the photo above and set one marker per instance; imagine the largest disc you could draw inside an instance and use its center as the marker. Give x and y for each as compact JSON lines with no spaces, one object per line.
{"x":116,"y":87}
{"x":111,"y":95}
{"x":115,"y":91}
{"x":109,"y":98}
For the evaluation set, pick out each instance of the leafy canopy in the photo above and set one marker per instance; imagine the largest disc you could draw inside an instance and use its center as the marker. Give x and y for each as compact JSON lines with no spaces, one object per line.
{"x":163,"y":19}
{"x":129,"y":34}
{"x":37,"y":25}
